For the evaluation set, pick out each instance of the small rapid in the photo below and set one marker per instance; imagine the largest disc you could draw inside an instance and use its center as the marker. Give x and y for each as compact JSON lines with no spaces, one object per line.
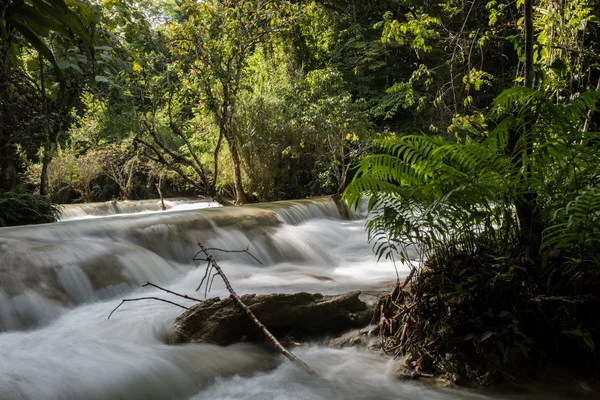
{"x":70,"y":212}
{"x":59,"y":282}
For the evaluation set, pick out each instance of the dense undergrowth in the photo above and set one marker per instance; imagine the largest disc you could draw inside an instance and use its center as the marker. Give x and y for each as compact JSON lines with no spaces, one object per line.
{"x":502,"y":231}
{"x":19,"y":207}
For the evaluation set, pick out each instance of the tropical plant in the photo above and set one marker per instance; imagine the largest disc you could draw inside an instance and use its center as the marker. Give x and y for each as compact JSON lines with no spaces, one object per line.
{"x":212,"y":47}
{"x":486,"y":223}
{"x":427,"y":189}
{"x":26,"y":29}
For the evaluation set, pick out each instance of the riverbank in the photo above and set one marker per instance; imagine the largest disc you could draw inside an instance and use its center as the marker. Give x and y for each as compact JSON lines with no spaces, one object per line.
{"x":66,"y":349}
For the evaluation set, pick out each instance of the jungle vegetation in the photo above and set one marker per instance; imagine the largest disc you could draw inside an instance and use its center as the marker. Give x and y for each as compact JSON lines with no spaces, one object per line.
{"x":500,"y":223}
{"x":471,"y":125}
{"x":258,"y":100}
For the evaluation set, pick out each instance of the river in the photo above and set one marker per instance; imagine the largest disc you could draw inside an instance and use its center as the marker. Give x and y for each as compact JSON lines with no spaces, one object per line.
{"x":59,"y":282}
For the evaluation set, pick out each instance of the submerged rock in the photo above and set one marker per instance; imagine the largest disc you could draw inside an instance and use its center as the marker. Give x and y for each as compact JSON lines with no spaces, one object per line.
{"x":300,"y":315}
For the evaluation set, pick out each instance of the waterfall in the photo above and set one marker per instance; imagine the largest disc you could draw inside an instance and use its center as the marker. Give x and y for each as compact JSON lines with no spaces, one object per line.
{"x":111,"y":208}
{"x":45,"y":268}
{"x":59,"y":282}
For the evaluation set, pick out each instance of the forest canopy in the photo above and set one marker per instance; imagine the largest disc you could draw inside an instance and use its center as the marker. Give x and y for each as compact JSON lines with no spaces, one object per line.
{"x":258,"y":100}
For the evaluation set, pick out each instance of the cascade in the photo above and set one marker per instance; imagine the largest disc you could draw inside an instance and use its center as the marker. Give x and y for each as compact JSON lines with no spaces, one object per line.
{"x":59,"y":282}
{"x":47,"y":267}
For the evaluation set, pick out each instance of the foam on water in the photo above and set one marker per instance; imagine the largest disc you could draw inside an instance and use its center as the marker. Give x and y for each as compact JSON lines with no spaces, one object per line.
{"x":116,"y":208}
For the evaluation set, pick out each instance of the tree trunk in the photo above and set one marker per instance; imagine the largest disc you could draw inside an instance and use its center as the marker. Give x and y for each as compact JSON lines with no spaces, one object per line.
{"x":128,"y":192}
{"x":529,"y":217}
{"x":9,"y":161}
{"x":49,"y":149}
{"x":240,"y":197}
{"x":8,"y":165}
{"x":160,"y":193}
{"x":528,"y":15}
{"x":49,"y":146}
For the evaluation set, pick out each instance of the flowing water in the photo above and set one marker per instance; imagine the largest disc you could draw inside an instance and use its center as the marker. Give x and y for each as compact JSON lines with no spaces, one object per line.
{"x":59,"y":282}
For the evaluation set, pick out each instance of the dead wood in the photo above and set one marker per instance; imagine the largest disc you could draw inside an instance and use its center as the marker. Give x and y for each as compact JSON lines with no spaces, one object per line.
{"x":145,"y":298}
{"x":183,"y":296}
{"x":212,"y":264}
{"x":208,"y":280}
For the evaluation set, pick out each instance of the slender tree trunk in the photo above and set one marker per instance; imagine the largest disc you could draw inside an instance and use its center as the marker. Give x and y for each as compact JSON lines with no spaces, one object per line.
{"x":212,"y":189}
{"x":525,"y":205}
{"x":160,"y":193}
{"x":9,"y":160}
{"x":240,"y":197}
{"x":8,"y":165}
{"x":528,"y":14}
{"x":49,"y":149}
{"x":48,"y":145}
{"x":128,"y":190}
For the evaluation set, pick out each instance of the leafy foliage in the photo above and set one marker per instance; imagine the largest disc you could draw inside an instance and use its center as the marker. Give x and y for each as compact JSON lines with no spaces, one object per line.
{"x":428,"y":189}
{"x":21,"y":208}
{"x":460,"y":212}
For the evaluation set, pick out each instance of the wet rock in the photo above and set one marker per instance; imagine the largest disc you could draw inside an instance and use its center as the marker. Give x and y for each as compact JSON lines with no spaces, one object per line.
{"x":300,"y":315}
{"x":406,"y":375}
{"x":366,"y":337}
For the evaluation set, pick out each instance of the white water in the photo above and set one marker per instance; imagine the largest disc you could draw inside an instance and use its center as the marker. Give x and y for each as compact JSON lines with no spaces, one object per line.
{"x":118,"y":208}
{"x":59,"y":282}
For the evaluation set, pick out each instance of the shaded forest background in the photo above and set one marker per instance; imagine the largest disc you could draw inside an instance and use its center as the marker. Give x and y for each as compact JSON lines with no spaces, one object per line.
{"x":254,"y":99}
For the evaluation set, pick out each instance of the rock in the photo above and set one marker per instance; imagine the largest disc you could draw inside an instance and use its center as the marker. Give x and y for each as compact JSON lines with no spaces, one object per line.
{"x":301,"y":315}
{"x":405,"y":374}
{"x":366,"y":337}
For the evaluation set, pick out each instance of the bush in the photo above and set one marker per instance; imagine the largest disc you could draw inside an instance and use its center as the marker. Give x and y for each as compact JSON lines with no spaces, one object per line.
{"x":21,"y":208}
{"x":502,"y":231}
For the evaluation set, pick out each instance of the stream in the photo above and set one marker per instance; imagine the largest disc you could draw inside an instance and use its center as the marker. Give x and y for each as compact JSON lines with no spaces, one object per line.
{"x":59,"y":282}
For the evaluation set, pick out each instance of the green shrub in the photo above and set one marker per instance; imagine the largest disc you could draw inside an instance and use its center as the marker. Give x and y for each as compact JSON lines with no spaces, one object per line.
{"x":501,"y":231}
{"x":21,"y":208}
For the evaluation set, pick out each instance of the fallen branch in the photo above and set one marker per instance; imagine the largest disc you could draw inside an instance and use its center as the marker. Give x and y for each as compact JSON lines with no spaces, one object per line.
{"x":145,"y":298}
{"x":185,"y":296}
{"x":212,"y":264}
{"x":247,"y":251}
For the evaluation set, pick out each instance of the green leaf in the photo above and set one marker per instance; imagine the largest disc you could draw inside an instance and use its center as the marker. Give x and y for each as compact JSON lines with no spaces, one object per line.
{"x":41,"y":47}
{"x":136,"y":66}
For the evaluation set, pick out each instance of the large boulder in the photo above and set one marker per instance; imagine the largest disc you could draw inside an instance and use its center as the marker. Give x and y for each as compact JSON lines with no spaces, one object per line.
{"x":300,"y":315}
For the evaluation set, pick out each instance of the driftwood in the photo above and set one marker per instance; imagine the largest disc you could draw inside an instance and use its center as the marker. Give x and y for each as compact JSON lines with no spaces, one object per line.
{"x":212,"y":264}
{"x":288,"y":316}
{"x":213,"y":270}
{"x":184,"y":296}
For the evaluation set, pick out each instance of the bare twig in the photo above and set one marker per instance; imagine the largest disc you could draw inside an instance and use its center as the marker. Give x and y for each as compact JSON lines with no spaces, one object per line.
{"x":213,"y":264}
{"x":185,"y":296}
{"x":145,"y":298}
{"x":225,"y":251}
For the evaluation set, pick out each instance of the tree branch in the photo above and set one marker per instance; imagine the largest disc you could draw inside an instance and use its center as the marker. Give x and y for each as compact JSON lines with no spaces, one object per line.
{"x":212,"y":263}
{"x":145,"y":298}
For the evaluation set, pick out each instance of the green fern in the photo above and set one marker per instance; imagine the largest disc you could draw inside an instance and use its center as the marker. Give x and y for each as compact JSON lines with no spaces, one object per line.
{"x":577,"y":225}
{"x":426,"y":192}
